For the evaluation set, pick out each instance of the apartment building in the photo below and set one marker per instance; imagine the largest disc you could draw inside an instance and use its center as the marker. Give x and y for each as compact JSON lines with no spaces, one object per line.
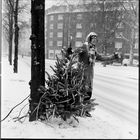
{"x":64,"y":25}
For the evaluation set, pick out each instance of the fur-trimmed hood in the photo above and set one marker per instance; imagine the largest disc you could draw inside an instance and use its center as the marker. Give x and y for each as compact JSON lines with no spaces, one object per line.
{"x":88,"y":38}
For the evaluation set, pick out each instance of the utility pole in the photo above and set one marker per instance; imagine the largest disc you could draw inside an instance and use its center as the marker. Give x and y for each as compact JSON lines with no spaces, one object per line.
{"x":69,"y":35}
{"x":37,"y":54}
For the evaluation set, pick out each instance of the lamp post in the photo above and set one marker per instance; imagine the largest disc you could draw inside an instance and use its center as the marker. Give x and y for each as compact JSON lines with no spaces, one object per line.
{"x":37,"y":54}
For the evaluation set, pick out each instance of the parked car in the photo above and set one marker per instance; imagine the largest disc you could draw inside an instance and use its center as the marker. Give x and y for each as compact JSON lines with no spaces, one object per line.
{"x":126,"y":62}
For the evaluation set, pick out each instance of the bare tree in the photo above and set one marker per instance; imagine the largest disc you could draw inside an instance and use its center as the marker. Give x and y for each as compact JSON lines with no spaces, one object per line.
{"x":12,"y":9}
{"x":16,"y":36}
{"x":104,"y":17}
{"x":8,"y":22}
{"x":19,"y":9}
{"x":130,"y":8}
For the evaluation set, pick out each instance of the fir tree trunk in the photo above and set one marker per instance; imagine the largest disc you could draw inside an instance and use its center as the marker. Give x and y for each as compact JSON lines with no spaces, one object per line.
{"x":16,"y":38}
{"x":37,"y":54}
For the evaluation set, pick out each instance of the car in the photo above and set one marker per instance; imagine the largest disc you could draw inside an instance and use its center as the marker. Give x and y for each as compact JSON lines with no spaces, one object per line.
{"x":126,"y":62}
{"x":113,"y":62}
{"x":135,"y":62}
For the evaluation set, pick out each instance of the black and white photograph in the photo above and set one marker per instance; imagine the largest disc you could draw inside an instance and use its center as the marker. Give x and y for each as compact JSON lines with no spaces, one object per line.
{"x":69,"y":69}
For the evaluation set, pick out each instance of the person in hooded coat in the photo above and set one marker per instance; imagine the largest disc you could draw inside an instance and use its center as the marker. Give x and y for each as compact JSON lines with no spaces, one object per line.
{"x":87,"y":54}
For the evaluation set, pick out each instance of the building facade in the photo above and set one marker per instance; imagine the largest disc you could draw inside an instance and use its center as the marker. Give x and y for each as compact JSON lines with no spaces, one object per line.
{"x":68,"y":24}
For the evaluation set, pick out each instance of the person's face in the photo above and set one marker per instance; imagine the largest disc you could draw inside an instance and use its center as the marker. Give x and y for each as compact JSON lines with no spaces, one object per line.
{"x":94,"y":40}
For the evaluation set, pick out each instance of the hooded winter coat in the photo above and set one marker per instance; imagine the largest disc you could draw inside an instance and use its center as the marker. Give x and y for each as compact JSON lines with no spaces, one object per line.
{"x":87,"y":55}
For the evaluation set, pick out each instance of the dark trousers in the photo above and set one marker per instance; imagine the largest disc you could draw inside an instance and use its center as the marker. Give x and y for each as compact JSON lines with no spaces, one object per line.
{"x":88,"y":76}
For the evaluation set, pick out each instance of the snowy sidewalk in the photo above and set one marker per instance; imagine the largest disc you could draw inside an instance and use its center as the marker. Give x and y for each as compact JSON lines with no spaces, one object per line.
{"x":15,"y":88}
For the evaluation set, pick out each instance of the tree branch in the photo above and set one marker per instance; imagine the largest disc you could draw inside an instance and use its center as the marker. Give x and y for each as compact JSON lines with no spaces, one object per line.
{"x":15,"y":107}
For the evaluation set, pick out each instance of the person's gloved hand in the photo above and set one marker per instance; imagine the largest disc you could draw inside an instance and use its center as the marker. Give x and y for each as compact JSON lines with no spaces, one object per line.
{"x":117,"y":55}
{"x":69,"y":51}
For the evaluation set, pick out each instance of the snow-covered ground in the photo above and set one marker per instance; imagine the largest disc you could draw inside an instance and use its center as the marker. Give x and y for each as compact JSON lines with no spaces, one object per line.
{"x":102,"y":125}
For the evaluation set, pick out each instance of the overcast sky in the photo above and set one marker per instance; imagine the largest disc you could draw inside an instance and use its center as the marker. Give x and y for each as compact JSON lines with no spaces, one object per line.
{"x":49,"y":3}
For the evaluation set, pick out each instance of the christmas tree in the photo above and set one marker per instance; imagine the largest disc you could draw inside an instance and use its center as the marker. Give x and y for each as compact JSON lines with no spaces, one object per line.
{"x":65,"y":91}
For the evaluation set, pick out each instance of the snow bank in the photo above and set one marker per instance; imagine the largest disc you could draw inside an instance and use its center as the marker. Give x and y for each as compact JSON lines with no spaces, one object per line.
{"x":15,"y":88}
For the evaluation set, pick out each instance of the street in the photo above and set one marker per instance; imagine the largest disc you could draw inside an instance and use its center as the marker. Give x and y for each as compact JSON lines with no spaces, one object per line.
{"x":117,"y":91}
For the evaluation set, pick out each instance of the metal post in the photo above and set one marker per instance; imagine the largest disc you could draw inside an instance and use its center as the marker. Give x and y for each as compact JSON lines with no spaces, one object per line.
{"x":37,"y":54}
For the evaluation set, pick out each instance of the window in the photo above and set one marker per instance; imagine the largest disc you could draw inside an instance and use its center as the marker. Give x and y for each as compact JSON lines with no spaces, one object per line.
{"x":121,"y":16}
{"x":60,"y":17}
{"x":60,"y":25}
{"x":78,"y":25}
{"x":58,"y":53}
{"x":51,"y":26}
{"x":79,"y":16}
{"x":51,"y":17}
{"x":118,"y":45}
{"x":51,"y":34}
{"x":79,"y":35}
{"x":59,"y":34}
{"x":136,"y":45}
{"x":136,"y":35}
{"x":118,"y":35}
{"x":78,"y":43}
{"x":120,"y":25}
{"x":59,"y":43}
{"x":50,"y":43}
{"x":51,"y":54}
